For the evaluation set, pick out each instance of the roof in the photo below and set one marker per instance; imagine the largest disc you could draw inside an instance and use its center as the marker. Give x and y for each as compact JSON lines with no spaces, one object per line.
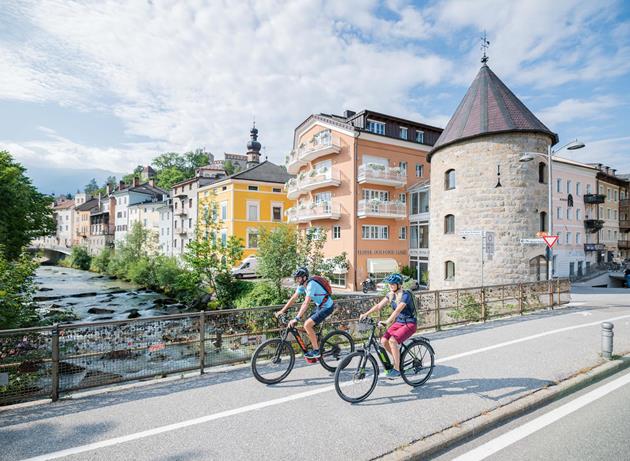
{"x":489,"y":107}
{"x":145,"y":188}
{"x":568,"y":161}
{"x":66,"y":204}
{"x":419,"y":185}
{"x":88,"y":205}
{"x":263,"y":172}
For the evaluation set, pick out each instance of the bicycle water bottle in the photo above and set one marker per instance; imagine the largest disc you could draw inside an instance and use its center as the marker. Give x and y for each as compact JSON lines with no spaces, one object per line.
{"x":384,"y":358}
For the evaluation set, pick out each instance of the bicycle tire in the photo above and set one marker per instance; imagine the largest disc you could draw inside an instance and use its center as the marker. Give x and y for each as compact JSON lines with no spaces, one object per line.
{"x":341,"y":370}
{"x":415,"y":367}
{"x":333,"y":350}
{"x":271,"y":347}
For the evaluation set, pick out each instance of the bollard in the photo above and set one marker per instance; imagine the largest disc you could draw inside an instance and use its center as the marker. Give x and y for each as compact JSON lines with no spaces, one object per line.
{"x":607,"y":340}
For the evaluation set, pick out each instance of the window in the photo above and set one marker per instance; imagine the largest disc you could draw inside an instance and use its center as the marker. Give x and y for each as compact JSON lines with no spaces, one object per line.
{"x":376,"y":127}
{"x":609,"y":195}
{"x":616,"y":216}
{"x":570,"y":201}
{"x":336,"y":232}
{"x":338,"y":280}
{"x":578,"y":215}
{"x":252,"y":187}
{"x":252,"y":211}
{"x":252,"y":238}
{"x":568,"y":238}
{"x":224,"y":210}
{"x":616,"y":196}
{"x":402,"y":198}
{"x":223,"y":237}
{"x":420,"y":137}
{"x":372,"y":194}
{"x":403,"y":132}
{"x":588,"y":188}
{"x":559,"y":241}
{"x":577,"y":188}
{"x":402,"y":233}
{"x":449,"y":180}
{"x":559,"y":213}
{"x":558,"y":185}
{"x":609,"y":215}
{"x":224,"y":188}
{"x":543,"y":221}
{"x":609,"y":235}
{"x":419,"y":170}
{"x":145,"y":223}
{"x":276,"y":213}
{"x":403,"y":168}
{"x":189,"y":187}
{"x":277,"y":189}
{"x":449,"y":272}
{"x":190,"y":203}
{"x":449,"y":224}
{"x":568,"y":214}
{"x":571,"y":269}
{"x":568,"y":186}
{"x":542,"y":172}
{"x":578,"y":238}
{"x":375,"y":232}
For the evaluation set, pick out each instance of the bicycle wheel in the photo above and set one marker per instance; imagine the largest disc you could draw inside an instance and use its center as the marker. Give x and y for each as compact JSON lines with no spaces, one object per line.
{"x":417,"y":362}
{"x":356,"y":376}
{"x":272,"y":361}
{"x":335,"y":346}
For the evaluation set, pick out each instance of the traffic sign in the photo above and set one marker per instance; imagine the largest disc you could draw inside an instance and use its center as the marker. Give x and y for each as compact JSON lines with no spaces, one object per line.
{"x":550,"y":240}
{"x":532,"y":241}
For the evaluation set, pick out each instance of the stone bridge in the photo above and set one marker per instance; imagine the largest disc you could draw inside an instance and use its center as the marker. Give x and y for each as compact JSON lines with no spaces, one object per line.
{"x":51,"y":252}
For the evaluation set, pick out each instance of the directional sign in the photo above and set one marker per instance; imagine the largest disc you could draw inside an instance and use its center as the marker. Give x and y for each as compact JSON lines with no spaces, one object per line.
{"x":489,"y":245}
{"x":471,"y":232}
{"x":550,"y":240}
{"x":532,"y":241}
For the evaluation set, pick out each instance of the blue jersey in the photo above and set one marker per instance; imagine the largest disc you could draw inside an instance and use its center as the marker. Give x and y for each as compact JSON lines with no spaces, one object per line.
{"x":407,"y":315}
{"x":317,"y":293}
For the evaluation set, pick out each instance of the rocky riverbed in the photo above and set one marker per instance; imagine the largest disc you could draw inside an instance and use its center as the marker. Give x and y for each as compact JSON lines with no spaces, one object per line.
{"x":71,"y":295}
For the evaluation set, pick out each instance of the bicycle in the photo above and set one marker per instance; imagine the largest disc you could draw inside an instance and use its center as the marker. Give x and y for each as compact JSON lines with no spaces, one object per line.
{"x":359,"y":370}
{"x":274,"y":359}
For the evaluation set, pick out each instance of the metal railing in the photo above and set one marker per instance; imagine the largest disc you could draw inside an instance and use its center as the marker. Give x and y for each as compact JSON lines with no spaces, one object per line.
{"x":311,"y":180}
{"x":312,"y":211}
{"x":48,"y":362}
{"x":381,"y":174}
{"x":377,"y":208}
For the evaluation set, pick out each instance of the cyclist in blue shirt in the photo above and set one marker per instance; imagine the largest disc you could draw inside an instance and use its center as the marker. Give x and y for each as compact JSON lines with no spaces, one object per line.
{"x":312,"y":291}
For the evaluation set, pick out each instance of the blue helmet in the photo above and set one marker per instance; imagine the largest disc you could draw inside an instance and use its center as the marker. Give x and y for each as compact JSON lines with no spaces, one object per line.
{"x":301,"y":272}
{"x":394,"y":278}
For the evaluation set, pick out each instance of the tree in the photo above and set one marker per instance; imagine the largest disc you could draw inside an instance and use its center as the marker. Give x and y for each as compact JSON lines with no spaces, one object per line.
{"x":91,"y":188}
{"x":128,"y":178}
{"x":172,"y":167}
{"x":25,"y":213}
{"x":277,"y":254}
{"x":229,"y":168}
{"x":16,"y":291}
{"x":169,"y":176}
{"x":211,"y":258}
{"x":310,"y":244}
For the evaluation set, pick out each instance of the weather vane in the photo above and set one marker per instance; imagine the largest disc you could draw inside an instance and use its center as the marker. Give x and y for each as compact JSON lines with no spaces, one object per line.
{"x":484,"y":46}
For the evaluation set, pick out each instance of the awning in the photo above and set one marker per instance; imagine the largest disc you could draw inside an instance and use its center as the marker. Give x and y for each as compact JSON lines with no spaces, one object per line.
{"x":385,"y":265}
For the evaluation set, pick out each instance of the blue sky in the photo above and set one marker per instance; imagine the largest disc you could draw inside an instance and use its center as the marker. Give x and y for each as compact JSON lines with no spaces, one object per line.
{"x":108,"y":85}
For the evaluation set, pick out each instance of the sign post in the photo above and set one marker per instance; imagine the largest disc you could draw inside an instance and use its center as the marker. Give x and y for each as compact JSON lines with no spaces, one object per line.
{"x":550,"y":240}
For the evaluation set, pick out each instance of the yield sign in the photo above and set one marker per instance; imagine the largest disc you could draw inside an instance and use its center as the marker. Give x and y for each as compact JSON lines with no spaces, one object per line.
{"x":550,"y":240}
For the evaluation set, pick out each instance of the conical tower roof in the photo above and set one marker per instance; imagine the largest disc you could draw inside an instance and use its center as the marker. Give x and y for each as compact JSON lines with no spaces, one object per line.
{"x":489,"y":107}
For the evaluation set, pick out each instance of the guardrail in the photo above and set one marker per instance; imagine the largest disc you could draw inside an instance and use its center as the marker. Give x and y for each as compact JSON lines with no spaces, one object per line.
{"x":48,"y":362}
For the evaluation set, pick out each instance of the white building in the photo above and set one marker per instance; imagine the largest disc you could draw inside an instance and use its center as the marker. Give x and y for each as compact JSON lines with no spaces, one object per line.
{"x":64,"y":213}
{"x":166,"y":228}
{"x":148,"y":215}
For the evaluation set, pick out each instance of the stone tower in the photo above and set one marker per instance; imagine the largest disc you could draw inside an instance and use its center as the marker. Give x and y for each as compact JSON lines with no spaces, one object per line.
{"x":253,"y":148}
{"x":478,"y":184}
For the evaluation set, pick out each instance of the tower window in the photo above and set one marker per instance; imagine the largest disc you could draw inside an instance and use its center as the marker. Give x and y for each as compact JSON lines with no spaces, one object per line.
{"x":449,"y":224}
{"x":449,"y":180}
{"x":542,"y":173}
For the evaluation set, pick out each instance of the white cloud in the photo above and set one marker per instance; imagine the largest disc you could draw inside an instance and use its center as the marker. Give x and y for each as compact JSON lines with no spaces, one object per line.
{"x":613,"y":152}
{"x":578,"y":109}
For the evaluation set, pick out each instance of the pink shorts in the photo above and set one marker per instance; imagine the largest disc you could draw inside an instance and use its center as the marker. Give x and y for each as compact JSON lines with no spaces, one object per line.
{"x":400,"y":331}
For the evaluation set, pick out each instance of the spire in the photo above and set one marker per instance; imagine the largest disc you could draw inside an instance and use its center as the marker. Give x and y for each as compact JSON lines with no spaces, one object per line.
{"x":253,"y":147}
{"x":484,"y":47}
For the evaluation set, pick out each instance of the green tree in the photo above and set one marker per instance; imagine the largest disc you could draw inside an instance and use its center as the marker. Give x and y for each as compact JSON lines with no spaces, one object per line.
{"x":310,"y":246}
{"x":80,"y":258}
{"x":91,"y":188}
{"x":16,"y":291}
{"x":172,"y":167}
{"x":25,"y":213}
{"x":277,"y":254}
{"x":128,"y":178}
{"x":211,"y":259}
{"x":229,"y":168}
{"x":168,"y":176}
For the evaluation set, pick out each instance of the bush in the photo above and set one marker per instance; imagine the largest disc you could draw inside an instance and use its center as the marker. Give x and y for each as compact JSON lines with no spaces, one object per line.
{"x":16,"y":291}
{"x":140,"y":272}
{"x":262,"y":294}
{"x":469,"y":309}
{"x":80,"y":259}
{"x":100,"y":262}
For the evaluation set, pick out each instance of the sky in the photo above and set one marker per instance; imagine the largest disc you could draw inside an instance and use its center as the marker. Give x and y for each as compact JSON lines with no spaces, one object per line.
{"x":90,"y":88}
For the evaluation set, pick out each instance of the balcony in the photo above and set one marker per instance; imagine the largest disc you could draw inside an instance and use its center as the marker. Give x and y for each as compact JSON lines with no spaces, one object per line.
{"x":181,"y":212}
{"x":313,"y":211}
{"x":321,"y":144}
{"x":593,"y":225}
{"x":624,"y":225}
{"x":588,"y":247}
{"x":624,"y":203}
{"x":380,"y":209}
{"x":594,"y":199}
{"x":309,"y":181}
{"x":424,"y":216}
{"x":383,"y":175}
{"x":623,"y":244}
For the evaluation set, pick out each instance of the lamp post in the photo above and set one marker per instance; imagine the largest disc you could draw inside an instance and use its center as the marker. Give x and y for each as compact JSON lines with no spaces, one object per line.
{"x":528,"y":157}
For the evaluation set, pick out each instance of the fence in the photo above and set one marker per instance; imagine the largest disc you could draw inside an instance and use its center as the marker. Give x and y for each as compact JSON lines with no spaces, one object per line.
{"x":50,"y":361}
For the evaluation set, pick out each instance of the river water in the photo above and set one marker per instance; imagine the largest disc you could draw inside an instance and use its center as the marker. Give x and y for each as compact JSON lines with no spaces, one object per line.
{"x":66,"y":294}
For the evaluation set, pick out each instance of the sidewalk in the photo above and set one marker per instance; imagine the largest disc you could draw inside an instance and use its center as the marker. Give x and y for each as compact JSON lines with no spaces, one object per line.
{"x":229,"y":415}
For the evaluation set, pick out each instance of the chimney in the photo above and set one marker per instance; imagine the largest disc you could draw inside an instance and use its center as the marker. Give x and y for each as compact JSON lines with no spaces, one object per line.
{"x":348,"y":113}
{"x":121,"y":185}
{"x":152,"y":182}
{"x":99,"y":200}
{"x":614,"y":171}
{"x":108,"y":189}
{"x":136,"y":181}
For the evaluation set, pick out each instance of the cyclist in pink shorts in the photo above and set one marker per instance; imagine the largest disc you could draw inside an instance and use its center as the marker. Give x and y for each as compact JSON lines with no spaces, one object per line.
{"x":404,"y":314}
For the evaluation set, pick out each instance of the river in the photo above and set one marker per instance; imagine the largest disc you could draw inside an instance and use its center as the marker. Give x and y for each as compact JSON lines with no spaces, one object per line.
{"x":72,"y":295}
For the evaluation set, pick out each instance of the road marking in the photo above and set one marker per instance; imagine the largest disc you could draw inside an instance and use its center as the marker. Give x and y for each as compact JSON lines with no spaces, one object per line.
{"x":269,"y":403}
{"x":543,"y":421}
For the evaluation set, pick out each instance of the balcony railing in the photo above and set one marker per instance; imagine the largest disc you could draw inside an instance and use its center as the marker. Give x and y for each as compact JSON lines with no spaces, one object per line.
{"x":624,"y":225}
{"x":321,"y":144}
{"x":623,"y":244}
{"x":310,"y":181}
{"x":313,"y":211}
{"x":594,"y":199}
{"x":624,"y":202}
{"x":593,"y":225}
{"x":381,"y":174}
{"x":380,"y":209}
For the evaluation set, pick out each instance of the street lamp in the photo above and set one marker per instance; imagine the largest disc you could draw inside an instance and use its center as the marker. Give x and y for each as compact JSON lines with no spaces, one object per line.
{"x":528,"y":157}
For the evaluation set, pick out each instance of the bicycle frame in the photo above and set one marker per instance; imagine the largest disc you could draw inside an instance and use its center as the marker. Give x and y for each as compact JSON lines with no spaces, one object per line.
{"x":369,"y":345}
{"x":298,"y":337}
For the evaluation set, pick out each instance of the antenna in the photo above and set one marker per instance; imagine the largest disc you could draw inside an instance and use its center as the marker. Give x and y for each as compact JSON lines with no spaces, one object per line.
{"x":484,"y":46}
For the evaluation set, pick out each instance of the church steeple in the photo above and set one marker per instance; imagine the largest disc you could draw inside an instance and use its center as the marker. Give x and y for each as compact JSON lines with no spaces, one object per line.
{"x":253,"y":148}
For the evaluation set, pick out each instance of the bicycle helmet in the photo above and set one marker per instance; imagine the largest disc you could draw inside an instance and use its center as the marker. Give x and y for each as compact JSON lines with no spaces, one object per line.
{"x":394,"y":278}
{"x":301,"y":272}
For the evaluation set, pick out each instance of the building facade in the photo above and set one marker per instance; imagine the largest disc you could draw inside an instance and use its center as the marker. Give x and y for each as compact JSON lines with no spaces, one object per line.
{"x":485,"y":201}
{"x":353,"y":174}
{"x":624,"y":219}
{"x":419,"y":198}
{"x":64,"y":213}
{"x":609,"y":234}
{"x":101,"y":227}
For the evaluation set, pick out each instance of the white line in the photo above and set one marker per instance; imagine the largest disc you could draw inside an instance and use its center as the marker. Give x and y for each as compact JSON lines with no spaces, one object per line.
{"x":257,"y":406}
{"x":541,"y":422}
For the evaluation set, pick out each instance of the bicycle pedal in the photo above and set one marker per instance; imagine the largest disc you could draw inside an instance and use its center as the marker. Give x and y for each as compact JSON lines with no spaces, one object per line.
{"x":310,"y":360}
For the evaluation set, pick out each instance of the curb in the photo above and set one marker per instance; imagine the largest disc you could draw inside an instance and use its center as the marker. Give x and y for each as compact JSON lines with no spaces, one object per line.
{"x":477,"y":425}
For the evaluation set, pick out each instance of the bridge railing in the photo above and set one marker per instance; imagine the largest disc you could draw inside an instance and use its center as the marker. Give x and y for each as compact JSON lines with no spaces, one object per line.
{"x":50,"y":361}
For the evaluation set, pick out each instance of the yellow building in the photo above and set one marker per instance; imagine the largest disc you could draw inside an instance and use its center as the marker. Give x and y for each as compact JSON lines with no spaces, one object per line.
{"x":247,"y":201}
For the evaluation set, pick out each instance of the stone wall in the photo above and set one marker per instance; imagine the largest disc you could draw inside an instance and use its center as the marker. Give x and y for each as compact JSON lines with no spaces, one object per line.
{"x":511,"y":211}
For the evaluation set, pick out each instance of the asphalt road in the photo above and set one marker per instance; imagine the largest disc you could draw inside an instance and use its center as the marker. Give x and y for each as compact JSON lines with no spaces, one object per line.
{"x":599,"y":430}
{"x":229,"y":415}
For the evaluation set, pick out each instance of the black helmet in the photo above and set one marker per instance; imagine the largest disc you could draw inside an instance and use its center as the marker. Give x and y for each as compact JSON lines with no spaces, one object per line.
{"x":301,"y":272}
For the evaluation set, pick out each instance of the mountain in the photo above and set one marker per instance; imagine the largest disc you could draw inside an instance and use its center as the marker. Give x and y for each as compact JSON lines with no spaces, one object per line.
{"x":66,"y":180}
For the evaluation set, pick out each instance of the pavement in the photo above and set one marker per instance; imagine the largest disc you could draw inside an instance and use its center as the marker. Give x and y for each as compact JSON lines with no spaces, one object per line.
{"x":229,"y":415}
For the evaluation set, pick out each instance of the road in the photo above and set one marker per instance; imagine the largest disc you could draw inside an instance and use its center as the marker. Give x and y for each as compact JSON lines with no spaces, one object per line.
{"x":228,"y":415}
{"x":589,"y":425}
